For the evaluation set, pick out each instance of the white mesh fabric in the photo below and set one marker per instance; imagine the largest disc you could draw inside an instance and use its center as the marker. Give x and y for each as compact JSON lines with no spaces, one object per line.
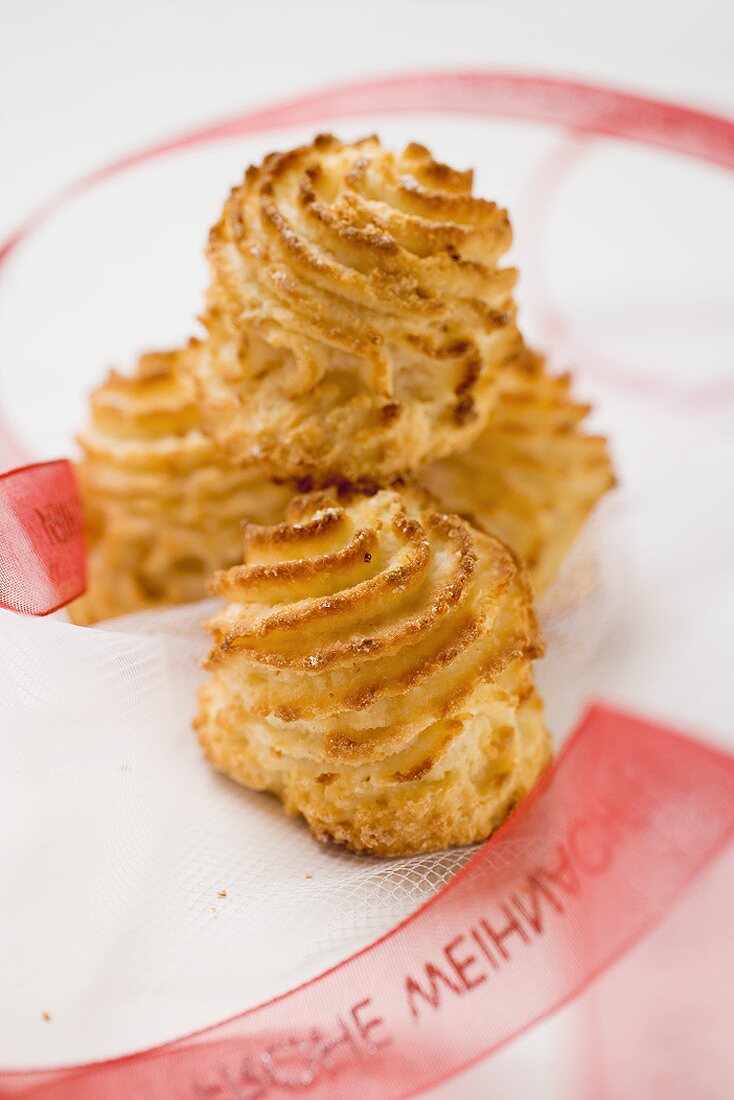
{"x":126,"y":838}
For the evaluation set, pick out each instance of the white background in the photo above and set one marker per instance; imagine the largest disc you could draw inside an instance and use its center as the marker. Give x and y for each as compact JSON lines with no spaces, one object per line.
{"x":82,"y":83}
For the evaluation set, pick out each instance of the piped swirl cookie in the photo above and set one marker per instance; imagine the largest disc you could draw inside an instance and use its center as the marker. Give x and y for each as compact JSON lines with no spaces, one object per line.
{"x":533,"y":475}
{"x":162,"y":504}
{"x":358,"y":317}
{"x":371,"y":668}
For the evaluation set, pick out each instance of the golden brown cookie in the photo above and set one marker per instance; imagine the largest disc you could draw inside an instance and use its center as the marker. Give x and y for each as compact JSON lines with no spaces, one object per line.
{"x":162,"y":504}
{"x":371,"y":667}
{"x":358,"y":319}
{"x":533,"y":475}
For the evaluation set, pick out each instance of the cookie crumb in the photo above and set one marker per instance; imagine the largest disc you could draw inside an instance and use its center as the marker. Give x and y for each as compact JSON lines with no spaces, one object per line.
{"x":221,"y":893}
{"x":46,"y":1016}
{"x":214,"y":910}
{"x":309,"y":876}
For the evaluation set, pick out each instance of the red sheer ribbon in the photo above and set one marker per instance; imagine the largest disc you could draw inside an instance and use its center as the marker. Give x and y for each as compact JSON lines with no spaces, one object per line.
{"x":42,"y":563}
{"x":591,"y":862}
{"x":578,"y":106}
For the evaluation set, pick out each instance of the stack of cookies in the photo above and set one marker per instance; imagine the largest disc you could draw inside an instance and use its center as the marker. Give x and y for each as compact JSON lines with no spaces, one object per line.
{"x":375,"y":474}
